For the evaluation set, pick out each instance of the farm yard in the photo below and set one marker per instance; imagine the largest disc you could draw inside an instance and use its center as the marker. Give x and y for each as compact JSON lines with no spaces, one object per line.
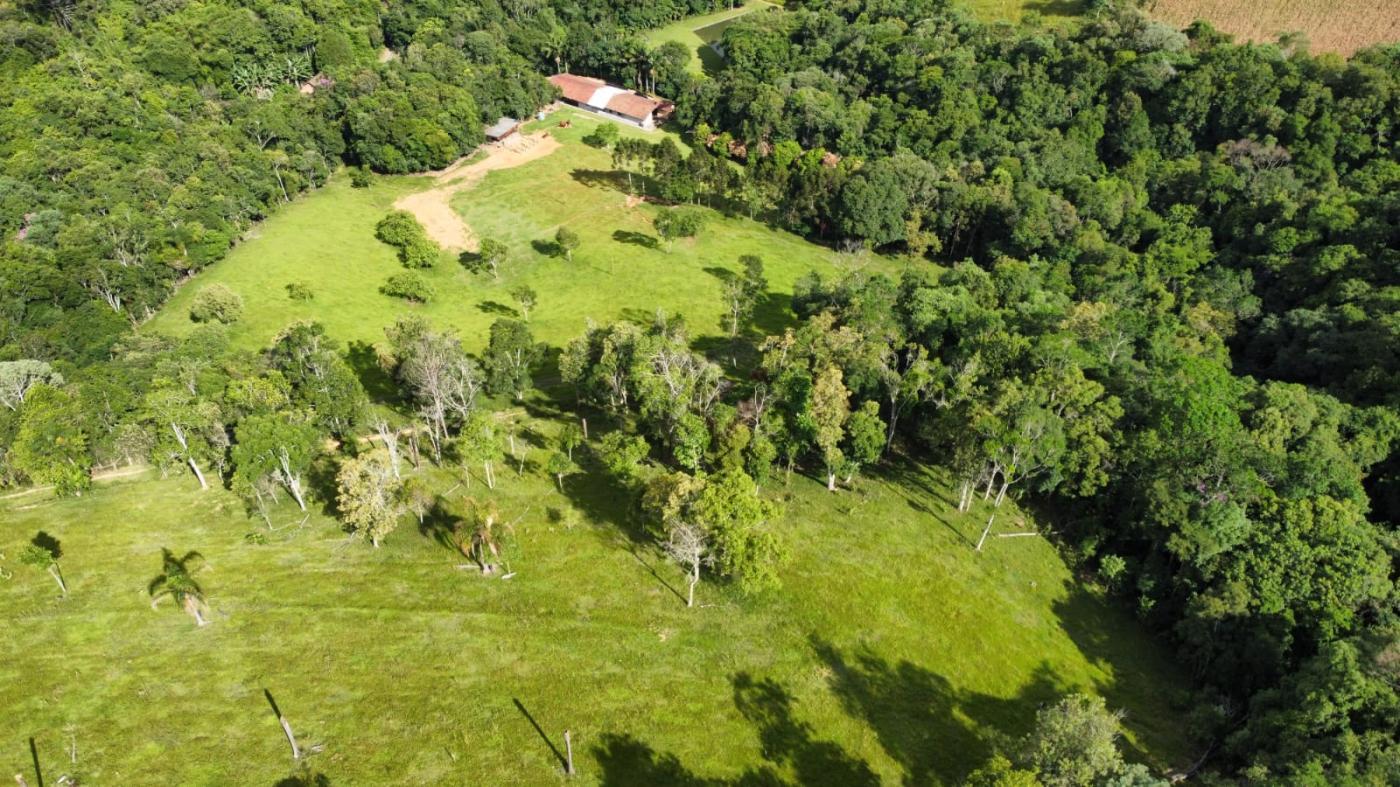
{"x":898,"y":658}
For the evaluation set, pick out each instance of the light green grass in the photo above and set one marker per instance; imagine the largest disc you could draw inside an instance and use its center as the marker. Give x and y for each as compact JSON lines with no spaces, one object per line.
{"x":1053,"y":12}
{"x":697,"y":32}
{"x":327,"y":239}
{"x":898,"y":644}
{"x":899,"y":648}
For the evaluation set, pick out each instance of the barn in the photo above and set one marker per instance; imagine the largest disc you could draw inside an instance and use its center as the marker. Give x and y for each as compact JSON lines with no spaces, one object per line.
{"x":612,"y":101}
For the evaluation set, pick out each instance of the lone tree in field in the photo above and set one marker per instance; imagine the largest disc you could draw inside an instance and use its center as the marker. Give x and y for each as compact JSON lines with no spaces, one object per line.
{"x":673,"y":223}
{"x":483,"y":533}
{"x":490,"y":255}
{"x":559,"y":465}
{"x":176,"y":581}
{"x":368,"y":496}
{"x":43,"y":552}
{"x":567,"y":240}
{"x":525,"y":296}
{"x":689,"y":546}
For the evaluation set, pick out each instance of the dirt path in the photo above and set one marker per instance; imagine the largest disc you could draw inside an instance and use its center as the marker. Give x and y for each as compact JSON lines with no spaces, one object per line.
{"x":433,"y":207}
{"x":100,"y":475}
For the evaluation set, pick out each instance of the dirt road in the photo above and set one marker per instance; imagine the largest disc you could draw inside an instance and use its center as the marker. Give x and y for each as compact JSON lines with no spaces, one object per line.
{"x":433,"y":207}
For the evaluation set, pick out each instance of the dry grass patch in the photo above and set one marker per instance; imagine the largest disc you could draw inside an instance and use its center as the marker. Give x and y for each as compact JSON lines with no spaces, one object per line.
{"x":1342,"y":26}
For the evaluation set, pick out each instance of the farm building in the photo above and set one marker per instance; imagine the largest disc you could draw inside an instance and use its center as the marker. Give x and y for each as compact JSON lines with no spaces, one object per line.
{"x":615,"y":102}
{"x":502,"y":128}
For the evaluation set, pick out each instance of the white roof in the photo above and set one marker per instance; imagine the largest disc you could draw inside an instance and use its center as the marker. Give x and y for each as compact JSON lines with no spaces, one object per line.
{"x":601,"y":96}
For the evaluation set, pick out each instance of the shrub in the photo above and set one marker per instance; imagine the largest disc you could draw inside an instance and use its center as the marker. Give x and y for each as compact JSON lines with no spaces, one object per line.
{"x":409,"y":286}
{"x":419,"y":254}
{"x":402,"y":231}
{"x":216,"y":303}
{"x":602,"y":136}
{"x":360,"y":177}
{"x":398,"y":229}
{"x":300,"y":291}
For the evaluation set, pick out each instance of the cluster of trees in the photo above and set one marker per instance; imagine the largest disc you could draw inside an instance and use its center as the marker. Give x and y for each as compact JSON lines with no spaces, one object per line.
{"x":1160,"y":298}
{"x":140,"y":141}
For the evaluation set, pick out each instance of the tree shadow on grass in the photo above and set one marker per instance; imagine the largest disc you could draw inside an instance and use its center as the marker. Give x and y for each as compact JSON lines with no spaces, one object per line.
{"x":611,"y":180}
{"x":636,"y":239}
{"x":936,"y":733}
{"x":497,"y":308}
{"x":546,"y":247}
{"x":787,"y":743}
{"x":364,"y":361}
{"x":1098,"y":630}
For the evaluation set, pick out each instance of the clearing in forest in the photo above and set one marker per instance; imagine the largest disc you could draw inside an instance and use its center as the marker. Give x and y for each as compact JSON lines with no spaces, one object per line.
{"x":1341,"y":26}
{"x":433,"y":207}
{"x":893,"y":649}
{"x":696,"y":33}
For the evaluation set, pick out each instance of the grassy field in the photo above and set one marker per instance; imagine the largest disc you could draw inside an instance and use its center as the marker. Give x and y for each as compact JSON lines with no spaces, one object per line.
{"x":327,"y":239}
{"x":1342,"y":26}
{"x":697,"y":32}
{"x":893,"y":653}
{"x":893,"y":648}
{"x":1051,"y":11}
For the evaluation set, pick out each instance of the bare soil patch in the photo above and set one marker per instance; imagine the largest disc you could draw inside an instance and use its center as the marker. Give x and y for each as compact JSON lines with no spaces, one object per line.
{"x":433,"y":207}
{"x":1341,"y":26}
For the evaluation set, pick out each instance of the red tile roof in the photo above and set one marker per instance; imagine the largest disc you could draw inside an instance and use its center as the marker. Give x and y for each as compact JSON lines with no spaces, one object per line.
{"x":581,"y":90}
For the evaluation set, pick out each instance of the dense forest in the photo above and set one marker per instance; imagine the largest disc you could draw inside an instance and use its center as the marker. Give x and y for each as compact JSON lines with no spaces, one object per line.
{"x":1156,"y":291}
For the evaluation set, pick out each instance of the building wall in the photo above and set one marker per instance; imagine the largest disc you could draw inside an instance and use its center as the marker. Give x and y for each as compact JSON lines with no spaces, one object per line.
{"x":647,"y":123}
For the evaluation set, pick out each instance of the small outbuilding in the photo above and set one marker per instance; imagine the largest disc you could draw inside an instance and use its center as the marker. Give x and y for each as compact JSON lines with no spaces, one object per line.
{"x":502,"y":128}
{"x":619,"y":103}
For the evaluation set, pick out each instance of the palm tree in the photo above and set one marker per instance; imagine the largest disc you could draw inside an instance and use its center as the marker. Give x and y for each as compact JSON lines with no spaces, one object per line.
{"x":177,"y":582}
{"x":553,"y":47}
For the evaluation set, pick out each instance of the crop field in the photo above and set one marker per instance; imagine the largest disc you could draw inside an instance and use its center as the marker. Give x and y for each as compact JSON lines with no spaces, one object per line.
{"x":1341,"y":26}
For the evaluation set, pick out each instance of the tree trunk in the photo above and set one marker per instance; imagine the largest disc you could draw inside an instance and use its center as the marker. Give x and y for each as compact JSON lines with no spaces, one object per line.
{"x":198,"y":474}
{"x":584,"y":421}
{"x":991,"y":479}
{"x":560,"y":478}
{"x":58,"y":577}
{"x":291,"y":739}
{"x":294,"y":486}
{"x":375,"y":541}
{"x":830,"y":481}
{"x":1001,"y":495}
{"x":985,"y":531}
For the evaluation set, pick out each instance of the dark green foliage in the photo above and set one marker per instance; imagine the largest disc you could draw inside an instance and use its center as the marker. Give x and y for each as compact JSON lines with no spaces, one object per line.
{"x":410,"y":286}
{"x":602,"y":136}
{"x":402,"y":231}
{"x":300,"y":291}
{"x":216,"y":303}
